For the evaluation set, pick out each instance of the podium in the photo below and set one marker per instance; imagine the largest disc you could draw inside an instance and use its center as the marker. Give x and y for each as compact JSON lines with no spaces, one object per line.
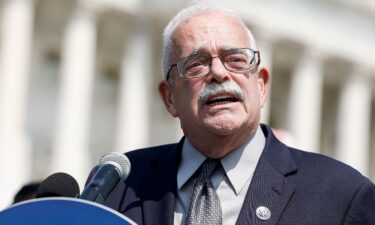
{"x":61,"y":211}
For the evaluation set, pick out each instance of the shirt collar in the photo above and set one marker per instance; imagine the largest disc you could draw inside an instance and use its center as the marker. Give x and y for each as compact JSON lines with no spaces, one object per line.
{"x":191,"y":159}
{"x":239,"y":165}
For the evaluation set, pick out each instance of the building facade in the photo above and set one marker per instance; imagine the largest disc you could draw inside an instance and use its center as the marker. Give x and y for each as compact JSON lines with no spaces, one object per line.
{"x":78,"y":79}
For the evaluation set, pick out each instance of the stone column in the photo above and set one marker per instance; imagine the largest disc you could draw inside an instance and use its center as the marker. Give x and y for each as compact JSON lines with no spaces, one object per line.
{"x":16,"y":41}
{"x":305,"y":102}
{"x":136,"y":78}
{"x":354,"y":119}
{"x":71,"y":153}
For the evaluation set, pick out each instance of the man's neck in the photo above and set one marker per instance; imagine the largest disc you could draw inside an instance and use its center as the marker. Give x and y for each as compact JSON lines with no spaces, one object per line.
{"x":217,"y":146}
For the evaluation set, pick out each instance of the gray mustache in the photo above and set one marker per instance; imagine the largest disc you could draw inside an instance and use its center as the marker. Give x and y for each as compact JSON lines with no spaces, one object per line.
{"x":213,"y":89}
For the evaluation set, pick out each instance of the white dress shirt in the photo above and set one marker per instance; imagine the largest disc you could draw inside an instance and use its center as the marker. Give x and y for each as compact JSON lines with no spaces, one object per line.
{"x":231,"y":181}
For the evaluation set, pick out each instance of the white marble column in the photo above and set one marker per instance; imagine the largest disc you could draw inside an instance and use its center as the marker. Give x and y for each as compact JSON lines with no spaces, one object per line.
{"x":305,"y":102}
{"x":354,"y":119}
{"x":265,"y":49}
{"x":71,"y":153}
{"x":136,"y":78}
{"x":16,"y":40}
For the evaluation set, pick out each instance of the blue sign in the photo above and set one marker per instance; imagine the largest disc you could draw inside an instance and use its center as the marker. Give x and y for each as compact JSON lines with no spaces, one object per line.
{"x":61,"y":211}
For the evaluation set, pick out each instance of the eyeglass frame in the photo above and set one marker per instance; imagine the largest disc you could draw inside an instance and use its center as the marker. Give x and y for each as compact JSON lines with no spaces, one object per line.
{"x":256,"y":53}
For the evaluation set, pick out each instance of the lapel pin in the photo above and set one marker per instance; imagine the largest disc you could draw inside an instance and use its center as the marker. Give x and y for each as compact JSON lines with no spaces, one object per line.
{"x":263,"y":213}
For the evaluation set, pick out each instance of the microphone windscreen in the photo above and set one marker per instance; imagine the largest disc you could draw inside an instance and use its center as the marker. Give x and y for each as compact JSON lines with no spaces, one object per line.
{"x":119,"y":161}
{"x":58,"y":185}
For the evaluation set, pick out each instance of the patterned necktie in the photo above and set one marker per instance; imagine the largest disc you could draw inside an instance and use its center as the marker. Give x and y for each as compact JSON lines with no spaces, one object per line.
{"x":204,"y":205}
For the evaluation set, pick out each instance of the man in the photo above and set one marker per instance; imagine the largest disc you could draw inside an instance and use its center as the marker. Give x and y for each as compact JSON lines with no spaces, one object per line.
{"x":216,"y":87}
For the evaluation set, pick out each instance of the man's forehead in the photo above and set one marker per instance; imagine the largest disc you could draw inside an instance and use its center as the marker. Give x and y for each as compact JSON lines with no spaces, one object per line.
{"x":208,"y":22}
{"x":210,"y":16}
{"x":209,"y":32}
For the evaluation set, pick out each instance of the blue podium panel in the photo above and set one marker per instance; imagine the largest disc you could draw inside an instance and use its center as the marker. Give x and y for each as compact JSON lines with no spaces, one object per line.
{"x":61,"y":211}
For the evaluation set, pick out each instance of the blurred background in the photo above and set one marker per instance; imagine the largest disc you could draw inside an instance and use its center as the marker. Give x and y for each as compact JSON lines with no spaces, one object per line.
{"x":78,"y":79}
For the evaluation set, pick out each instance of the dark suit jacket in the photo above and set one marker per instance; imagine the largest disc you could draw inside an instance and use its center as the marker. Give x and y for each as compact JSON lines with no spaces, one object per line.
{"x":298,"y":187}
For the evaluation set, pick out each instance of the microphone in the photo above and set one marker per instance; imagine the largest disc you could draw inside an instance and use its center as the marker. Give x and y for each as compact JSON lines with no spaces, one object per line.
{"x":58,"y":185}
{"x":113,"y":168}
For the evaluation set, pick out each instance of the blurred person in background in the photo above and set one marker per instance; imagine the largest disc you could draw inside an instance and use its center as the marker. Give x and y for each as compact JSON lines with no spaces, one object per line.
{"x":27,"y":192}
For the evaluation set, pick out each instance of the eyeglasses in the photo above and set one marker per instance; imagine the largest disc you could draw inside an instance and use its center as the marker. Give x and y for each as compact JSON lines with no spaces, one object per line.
{"x":234,"y":60}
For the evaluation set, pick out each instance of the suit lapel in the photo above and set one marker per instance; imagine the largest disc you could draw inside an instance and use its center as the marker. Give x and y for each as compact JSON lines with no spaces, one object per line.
{"x":159,"y":189}
{"x":269,"y":186}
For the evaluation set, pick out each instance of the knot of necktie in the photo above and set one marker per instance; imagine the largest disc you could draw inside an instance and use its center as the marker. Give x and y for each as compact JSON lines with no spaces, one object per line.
{"x":208,"y":168}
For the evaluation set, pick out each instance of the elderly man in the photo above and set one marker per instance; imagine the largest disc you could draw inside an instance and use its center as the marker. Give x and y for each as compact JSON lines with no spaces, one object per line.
{"x":228,"y":169}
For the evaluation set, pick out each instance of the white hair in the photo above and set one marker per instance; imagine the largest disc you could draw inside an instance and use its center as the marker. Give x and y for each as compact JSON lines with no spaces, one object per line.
{"x":196,"y":8}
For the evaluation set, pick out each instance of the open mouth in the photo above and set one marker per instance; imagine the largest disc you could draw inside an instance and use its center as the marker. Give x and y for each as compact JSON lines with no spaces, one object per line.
{"x":221,"y":100}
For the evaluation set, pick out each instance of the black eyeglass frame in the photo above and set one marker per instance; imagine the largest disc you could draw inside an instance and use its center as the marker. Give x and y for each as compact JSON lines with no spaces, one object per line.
{"x":256,"y":56}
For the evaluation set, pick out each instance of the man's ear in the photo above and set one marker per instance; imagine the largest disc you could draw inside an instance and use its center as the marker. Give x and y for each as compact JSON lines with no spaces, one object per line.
{"x":167,"y":95}
{"x":263,"y":84}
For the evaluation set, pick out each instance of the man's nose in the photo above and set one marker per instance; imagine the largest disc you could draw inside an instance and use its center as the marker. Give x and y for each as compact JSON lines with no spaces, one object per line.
{"x":218,"y":72}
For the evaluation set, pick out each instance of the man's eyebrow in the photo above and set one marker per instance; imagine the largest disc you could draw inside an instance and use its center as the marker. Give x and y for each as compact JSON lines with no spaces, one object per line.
{"x":228,"y":47}
{"x":203,"y":48}
{"x":196,"y":51}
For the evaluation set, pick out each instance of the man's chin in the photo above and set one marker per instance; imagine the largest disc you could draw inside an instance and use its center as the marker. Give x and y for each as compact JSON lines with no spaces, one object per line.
{"x":222,"y":127}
